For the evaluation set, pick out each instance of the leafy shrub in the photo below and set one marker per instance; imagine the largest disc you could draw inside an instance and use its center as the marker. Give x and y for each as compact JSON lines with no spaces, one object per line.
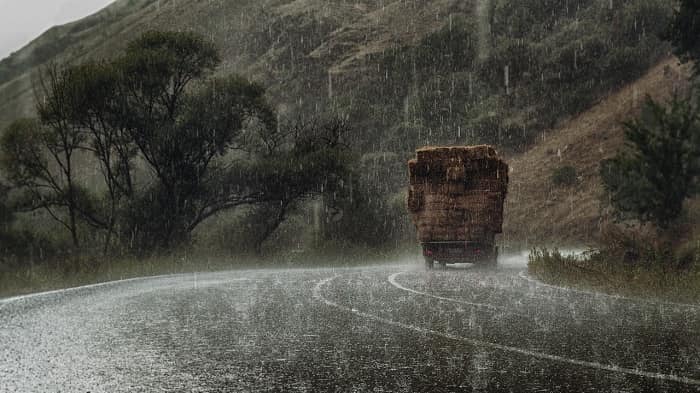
{"x":688,"y":255}
{"x":602,"y":271}
{"x":684,"y":32}
{"x":564,"y":176}
{"x":638,"y":245}
{"x":651,"y":180}
{"x":19,"y":246}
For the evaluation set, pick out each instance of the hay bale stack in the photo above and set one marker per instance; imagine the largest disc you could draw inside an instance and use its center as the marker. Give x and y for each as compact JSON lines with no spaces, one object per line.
{"x":457,"y":193}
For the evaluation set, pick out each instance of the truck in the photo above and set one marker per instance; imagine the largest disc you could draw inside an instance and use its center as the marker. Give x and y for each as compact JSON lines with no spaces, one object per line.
{"x":456,"y":197}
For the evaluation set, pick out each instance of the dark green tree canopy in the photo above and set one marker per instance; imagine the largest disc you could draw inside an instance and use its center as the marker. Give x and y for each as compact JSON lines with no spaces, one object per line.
{"x":685,"y":32}
{"x":659,"y":169}
{"x":158,"y":67}
{"x":22,"y":159}
{"x":205,"y":144}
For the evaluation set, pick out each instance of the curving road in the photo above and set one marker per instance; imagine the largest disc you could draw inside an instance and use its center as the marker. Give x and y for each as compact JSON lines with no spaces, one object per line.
{"x":385,"y":328}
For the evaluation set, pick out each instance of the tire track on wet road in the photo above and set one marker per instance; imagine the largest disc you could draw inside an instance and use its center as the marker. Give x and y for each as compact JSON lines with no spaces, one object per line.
{"x":318,"y":295}
{"x":392,"y":280}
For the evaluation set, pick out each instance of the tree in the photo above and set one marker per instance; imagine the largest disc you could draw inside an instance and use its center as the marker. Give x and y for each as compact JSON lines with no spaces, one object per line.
{"x":39,"y":160}
{"x":368,"y":208}
{"x":6,"y":214}
{"x":685,"y":30}
{"x":206,"y":144}
{"x":138,"y":107}
{"x":92,"y":105}
{"x":660,"y":167}
{"x":77,"y":108}
{"x":292,"y":163}
{"x":7,"y":239}
{"x":183,"y":150}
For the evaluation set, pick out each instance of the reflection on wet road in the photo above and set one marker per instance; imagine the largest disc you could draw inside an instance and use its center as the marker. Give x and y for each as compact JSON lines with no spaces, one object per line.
{"x":385,"y":328}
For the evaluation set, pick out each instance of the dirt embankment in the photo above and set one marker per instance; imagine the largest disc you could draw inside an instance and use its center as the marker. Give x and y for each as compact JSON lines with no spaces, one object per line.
{"x":539,"y":213}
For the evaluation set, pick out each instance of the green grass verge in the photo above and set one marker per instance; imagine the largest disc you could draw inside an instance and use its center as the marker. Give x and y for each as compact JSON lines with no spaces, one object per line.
{"x":597,"y":271}
{"x":64,"y":274}
{"x":84,"y":271}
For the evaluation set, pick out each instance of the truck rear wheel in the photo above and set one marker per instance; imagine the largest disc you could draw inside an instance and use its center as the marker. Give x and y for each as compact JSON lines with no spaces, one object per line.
{"x":492,"y":261}
{"x":429,"y":263}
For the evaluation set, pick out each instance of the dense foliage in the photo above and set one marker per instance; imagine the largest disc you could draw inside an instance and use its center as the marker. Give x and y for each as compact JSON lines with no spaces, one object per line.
{"x":564,"y":176}
{"x":173,"y":145}
{"x":654,"y":271}
{"x":652,"y":178}
{"x":532,"y":64}
{"x":685,"y":30}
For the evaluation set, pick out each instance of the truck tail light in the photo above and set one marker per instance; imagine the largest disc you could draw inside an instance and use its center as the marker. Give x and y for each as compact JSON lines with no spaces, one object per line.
{"x":427,"y":253}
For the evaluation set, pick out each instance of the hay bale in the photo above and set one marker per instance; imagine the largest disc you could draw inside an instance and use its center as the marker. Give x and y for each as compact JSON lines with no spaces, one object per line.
{"x":457,"y":193}
{"x":415,"y":200}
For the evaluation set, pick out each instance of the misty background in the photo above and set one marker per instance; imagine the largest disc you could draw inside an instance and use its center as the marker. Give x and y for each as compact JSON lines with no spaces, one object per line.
{"x":22,"y":21}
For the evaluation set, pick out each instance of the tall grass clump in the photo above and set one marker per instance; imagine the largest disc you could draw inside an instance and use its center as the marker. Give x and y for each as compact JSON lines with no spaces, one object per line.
{"x":630,"y":262}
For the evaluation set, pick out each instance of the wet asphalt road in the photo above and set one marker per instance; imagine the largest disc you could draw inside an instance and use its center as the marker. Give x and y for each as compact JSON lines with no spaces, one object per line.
{"x":386,"y":328}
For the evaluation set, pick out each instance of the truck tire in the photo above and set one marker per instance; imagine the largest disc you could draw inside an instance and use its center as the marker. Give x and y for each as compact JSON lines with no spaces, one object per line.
{"x":492,"y":262}
{"x":429,"y":263}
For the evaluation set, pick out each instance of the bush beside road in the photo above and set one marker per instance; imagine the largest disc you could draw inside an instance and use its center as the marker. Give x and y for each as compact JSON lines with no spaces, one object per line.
{"x":650,"y":276}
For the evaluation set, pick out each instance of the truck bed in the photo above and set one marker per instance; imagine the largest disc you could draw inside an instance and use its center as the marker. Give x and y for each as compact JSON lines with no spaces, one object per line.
{"x":456,"y":197}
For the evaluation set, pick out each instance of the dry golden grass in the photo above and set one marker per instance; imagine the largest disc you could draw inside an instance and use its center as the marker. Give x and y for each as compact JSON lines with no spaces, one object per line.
{"x":606,"y":273}
{"x":356,"y":30}
{"x":571,"y":216}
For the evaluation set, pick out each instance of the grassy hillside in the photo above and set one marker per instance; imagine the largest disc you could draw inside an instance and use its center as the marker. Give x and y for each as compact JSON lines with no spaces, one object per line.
{"x":539,"y":209}
{"x":407,"y":73}
{"x":287,"y":44}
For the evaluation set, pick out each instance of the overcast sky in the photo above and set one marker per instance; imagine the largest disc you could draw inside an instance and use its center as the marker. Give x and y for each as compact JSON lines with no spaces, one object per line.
{"x":23,"y":20}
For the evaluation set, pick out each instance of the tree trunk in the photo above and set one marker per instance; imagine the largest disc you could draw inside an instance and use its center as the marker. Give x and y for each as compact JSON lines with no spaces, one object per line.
{"x":272,"y":227}
{"x":71,"y":203}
